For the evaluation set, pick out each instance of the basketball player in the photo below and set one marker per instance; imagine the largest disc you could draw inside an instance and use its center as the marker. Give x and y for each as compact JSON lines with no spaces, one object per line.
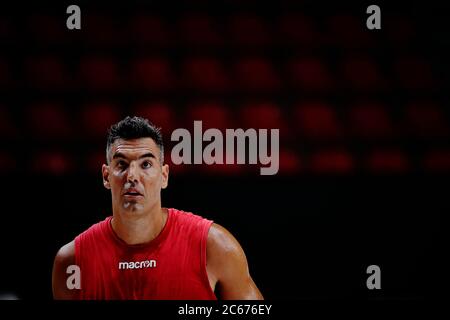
{"x":145,"y":251}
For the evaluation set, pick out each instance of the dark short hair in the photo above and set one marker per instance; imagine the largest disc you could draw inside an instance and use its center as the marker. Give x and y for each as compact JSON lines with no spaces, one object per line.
{"x":134,"y":128}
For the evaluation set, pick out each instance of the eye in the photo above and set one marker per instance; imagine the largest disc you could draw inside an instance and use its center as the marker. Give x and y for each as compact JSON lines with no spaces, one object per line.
{"x":146,"y":164}
{"x":122,"y":164}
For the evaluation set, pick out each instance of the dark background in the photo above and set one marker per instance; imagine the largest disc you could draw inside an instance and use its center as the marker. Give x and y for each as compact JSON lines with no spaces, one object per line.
{"x":363,"y":116}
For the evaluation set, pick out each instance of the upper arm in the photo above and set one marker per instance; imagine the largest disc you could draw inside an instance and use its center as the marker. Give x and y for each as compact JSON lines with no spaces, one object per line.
{"x":64,"y":258}
{"x":226,"y":261}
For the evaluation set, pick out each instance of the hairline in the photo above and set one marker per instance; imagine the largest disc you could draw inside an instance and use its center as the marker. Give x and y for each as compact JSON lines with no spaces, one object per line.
{"x":109,"y":147}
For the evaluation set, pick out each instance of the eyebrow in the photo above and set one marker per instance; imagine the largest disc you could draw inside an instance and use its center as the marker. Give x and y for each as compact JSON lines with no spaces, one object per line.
{"x":145,"y":155}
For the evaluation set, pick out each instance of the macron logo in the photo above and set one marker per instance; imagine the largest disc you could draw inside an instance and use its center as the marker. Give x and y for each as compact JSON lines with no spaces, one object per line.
{"x":137,"y":264}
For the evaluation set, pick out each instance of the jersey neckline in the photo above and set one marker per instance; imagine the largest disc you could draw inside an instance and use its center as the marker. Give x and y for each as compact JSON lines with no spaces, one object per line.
{"x":148,"y":245}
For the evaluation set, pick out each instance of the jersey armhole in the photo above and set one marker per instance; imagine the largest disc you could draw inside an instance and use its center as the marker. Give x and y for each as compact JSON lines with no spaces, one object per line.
{"x":203,"y":247}
{"x":78,"y":295}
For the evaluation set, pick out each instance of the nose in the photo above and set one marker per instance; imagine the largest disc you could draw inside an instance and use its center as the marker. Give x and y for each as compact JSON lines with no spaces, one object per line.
{"x":132,"y":172}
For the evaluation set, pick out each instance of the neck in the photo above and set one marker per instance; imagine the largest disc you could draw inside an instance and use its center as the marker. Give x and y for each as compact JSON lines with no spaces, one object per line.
{"x":139,"y":229}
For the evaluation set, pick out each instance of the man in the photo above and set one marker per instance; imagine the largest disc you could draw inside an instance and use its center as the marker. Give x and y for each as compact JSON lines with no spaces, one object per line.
{"x":144,"y":251}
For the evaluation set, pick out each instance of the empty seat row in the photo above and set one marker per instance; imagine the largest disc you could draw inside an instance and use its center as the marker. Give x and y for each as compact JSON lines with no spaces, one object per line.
{"x":211,"y":74}
{"x":311,"y":120}
{"x":326,"y":161}
{"x":201,"y":28}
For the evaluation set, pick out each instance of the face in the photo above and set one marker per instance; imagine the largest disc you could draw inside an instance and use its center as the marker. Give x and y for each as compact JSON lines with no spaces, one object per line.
{"x":135,"y":175}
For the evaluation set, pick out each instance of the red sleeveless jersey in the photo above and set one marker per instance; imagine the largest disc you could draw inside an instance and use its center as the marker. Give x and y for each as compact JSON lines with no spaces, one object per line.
{"x":170,"y":267}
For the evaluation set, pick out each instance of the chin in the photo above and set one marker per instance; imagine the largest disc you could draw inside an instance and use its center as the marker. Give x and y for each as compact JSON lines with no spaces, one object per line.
{"x":133,"y":207}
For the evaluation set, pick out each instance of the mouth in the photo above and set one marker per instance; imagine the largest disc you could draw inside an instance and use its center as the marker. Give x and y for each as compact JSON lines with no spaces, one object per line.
{"x":132,"y":193}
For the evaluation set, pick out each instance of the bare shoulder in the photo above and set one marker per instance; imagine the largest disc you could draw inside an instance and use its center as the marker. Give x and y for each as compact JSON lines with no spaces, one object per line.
{"x":227,"y":266}
{"x":63,"y":259}
{"x":221,"y":242}
{"x":223,"y":251}
{"x":224,"y":255}
{"x":66,"y":254}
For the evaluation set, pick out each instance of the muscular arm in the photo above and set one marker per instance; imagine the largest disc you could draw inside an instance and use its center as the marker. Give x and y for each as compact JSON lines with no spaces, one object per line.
{"x":64,"y":258}
{"x":227,"y":267}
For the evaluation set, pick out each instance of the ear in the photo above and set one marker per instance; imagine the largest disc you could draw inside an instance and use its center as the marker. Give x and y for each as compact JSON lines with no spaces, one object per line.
{"x":165,"y":175}
{"x":105,"y":174}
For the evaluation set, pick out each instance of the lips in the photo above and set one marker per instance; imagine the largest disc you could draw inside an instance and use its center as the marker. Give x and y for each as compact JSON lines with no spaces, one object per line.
{"x":132,"y":192}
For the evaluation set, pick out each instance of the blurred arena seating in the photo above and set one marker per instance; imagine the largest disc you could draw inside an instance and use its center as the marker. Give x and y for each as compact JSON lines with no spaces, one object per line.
{"x":363,"y":118}
{"x":341,"y":104}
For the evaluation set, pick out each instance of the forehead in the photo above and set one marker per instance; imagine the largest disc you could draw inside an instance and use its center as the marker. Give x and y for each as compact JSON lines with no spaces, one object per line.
{"x":134,"y":147}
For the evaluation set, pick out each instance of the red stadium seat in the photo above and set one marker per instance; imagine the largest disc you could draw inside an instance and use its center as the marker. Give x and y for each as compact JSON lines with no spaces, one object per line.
{"x":262,"y":115}
{"x":331,"y":161}
{"x":298,"y":29}
{"x":56,"y":163}
{"x":289,"y":162}
{"x":49,"y":121}
{"x":256,"y":75}
{"x":212,"y":115}
{"x":309,"y":74}
{"x":361,"y":74}
{"x":348,"y":31}
{"x":413,"y":73}
{"x":426,"y":120}
{"x":317,"y":120}
{"x":437,"y":160}
{"x":387,"y":161}
{"x":150,"y":30}
{"x":96,"y":118}
{"x":197,"y":29}
{"x":47,"y":72}
{"x":153,"y":74}
{"x":248,"y":30}
{"x":99,"y":73}
{"x":103,"y":31}
{"x":160,"y":114}
{"x":370,"y":121}
{"x":206,"y":74}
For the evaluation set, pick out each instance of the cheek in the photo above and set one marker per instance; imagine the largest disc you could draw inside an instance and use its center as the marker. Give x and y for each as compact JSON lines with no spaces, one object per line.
{"x":116,"y":180}
{"x":117,"y":173}
{"x":152,"y":179}
{"x":119,"y":176}
{"x":151,"y":174}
